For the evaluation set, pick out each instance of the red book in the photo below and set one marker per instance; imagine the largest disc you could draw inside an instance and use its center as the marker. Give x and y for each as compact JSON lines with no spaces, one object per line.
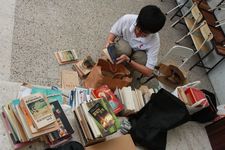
{"x":105,"y":92}
{"x":194,"y":95}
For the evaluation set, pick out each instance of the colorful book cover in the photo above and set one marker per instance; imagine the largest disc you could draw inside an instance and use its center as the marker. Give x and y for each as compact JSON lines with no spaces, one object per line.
{"x":53,"y":95}
{"x":105,"y":92}
{"x":39,"y":110}
{"x":104,"y":118}
{"x":65,"y":128}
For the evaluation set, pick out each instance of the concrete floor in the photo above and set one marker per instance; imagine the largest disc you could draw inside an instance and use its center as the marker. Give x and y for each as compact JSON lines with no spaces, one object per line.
{"x":31,"y":30}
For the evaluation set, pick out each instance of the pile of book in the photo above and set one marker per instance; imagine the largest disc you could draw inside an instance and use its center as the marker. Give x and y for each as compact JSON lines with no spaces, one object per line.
{"x":133,"y":100}
{"x":192,"y":97}
{"x":33,"y":118}
{"x":96,"y":120}
{"x":84,"y":66}
{"x":66,"y":56}
{"x":81,"y":95}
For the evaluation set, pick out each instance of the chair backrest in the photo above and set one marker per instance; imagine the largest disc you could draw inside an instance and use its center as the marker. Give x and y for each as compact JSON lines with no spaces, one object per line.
{"x":206,"y":32}
{"x":178,"y":55}
{"x":196,"y":13}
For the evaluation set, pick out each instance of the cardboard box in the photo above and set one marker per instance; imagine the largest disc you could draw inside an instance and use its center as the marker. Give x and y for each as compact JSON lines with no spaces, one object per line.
{"x":123,"y":142}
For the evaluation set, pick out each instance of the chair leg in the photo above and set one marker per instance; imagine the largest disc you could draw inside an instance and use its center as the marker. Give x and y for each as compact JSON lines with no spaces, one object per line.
{"x":179,"y":10}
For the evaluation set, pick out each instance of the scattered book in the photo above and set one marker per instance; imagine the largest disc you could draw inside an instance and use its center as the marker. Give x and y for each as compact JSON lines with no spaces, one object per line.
{"x":66,"y":56}
{"x":110,"y":53}
{"x":69,"y":79}
{"x":105,"y":92}
{"x":39,"y":110}
{"x":83,"y":67}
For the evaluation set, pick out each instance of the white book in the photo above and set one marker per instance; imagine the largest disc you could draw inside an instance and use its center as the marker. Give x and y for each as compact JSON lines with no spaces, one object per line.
{"x":135,"y":99}
{"x":140,"y":98}
{"x":128,"y":98}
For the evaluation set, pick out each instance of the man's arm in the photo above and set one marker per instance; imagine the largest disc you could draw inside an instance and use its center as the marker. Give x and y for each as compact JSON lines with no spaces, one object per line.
{"x":139,"y":67}
{"x":110,"y":39}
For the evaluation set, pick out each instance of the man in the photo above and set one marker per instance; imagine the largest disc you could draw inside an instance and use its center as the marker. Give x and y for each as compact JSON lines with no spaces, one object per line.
{"x":136,"y":39}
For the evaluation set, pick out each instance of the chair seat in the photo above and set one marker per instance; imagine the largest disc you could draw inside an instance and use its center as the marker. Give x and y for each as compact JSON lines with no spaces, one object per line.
{"x":198,"y":39}
{"x":189,"y":22}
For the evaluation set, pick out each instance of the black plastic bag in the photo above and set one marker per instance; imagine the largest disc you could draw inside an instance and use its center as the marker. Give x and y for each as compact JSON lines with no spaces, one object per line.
{"x":150,"y":125}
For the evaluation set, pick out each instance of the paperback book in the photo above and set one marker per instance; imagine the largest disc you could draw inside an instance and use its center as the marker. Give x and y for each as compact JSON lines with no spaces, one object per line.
{"x":66,"y":56}
{"x":39,"y":110}
{"x":105,"y":92}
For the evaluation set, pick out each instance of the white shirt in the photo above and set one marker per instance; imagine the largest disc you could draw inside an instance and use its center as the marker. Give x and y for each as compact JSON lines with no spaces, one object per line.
{"x":125,"y":26}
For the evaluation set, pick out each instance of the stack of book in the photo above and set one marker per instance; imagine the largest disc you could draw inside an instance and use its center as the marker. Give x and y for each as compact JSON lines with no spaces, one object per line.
{"x":192,"y":97}
{"x":84,"y":66}
{"x":32,"y":117}
{"x":96,"y":120}
{"x":132,"y":100}
{"x":66,"y":56}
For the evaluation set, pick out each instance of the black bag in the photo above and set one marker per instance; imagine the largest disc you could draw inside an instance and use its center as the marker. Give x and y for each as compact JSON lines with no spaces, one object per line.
{"x":69,"y":146}
{"x":163,"y":112}
{"x":209,"y":113}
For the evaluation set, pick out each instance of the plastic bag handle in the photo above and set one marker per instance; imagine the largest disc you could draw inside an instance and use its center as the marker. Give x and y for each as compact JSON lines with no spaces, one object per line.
{"x":192,"y":84}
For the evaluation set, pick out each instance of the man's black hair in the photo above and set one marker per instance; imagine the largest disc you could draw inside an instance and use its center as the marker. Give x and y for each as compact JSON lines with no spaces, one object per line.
{"x":151,"y":19}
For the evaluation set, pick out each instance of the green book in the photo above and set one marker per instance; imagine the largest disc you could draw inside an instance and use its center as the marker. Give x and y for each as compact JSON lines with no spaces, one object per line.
{"x":104,"y":117}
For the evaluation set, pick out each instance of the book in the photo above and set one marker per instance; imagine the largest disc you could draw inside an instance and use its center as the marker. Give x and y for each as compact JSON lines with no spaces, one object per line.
{"x":109,"y":123}
{"x":182,"y":96}
{"x":133,"y":100}
{"x":81,"y":69}
{"x":105,"y":92}
{"x":15,"y":124}
{"x":65,"y":130}
{"x":110,"y":53}
{"x":102,"y":116}
{"x":66,"y":56}
{"x":39,"y":109}
{"x":83,"y":123}
{"x":52,"y":95}
{"x":127,"y":99}
{"x":69,"y":79}
{"x":196,"y":97}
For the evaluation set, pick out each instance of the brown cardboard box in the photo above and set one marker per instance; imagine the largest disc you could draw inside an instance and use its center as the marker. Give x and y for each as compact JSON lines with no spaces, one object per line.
{"x":123,"y":142}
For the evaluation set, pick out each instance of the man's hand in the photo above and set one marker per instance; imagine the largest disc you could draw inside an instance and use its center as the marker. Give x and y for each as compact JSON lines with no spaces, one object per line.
{"x":108,"y":43}
{"x":122,"y":58}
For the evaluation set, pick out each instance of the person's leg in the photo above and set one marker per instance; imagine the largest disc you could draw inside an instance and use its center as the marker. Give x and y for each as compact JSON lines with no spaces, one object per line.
{"x":122,"y":47}
{"x":139,"y":57}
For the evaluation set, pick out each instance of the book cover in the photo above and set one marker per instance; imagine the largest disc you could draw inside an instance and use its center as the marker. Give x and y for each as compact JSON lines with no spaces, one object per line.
{"x":101,"y":115}
{"x":65,"y":128}
{"x":195,"y":95}
{"x":52,"y":95}
{"x":81,"y":68}
{"x":39,"y":110}
{"x":110,"y":53}
{"x":69,"y":79}
{"x":105,"y":92}
{"x":66,"y":56}
{"x":109,"y":125}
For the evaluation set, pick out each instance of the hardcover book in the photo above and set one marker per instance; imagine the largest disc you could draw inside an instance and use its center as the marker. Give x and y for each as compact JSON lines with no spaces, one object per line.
{"x":110,"y":53}
{"x":105,"y":92}
{"x":39,"y":110}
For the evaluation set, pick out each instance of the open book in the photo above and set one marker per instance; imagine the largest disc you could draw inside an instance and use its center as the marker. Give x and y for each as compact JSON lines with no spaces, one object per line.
{"x":110,"y":53}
